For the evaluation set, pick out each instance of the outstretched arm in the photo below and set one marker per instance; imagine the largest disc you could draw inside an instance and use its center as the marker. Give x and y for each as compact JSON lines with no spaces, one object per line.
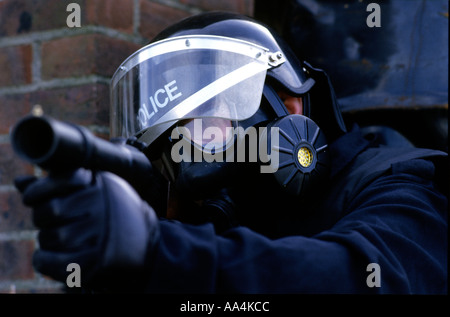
{"x":398,"y":221}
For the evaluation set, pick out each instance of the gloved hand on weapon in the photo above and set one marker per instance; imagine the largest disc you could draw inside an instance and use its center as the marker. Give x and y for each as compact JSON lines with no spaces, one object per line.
{"x":94,"y":219}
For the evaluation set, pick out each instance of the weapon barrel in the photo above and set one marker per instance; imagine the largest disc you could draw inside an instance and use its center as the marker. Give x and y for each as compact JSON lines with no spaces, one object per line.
{"x":58,"y":146}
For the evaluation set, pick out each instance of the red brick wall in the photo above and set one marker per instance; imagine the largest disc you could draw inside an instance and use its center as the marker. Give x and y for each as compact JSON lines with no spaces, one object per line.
{"x":66,"y":71}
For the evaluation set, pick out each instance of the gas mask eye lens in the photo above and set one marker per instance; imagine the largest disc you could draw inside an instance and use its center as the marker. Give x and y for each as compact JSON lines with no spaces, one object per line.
{"x":208,"y":134}
{"x":305,"y":156}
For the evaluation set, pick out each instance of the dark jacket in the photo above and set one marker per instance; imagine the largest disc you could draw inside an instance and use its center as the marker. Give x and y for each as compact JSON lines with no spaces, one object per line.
{"x":382,"y":205}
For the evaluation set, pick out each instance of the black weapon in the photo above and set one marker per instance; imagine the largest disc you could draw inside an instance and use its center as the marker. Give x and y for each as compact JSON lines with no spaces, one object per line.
{"x":58,"y":146}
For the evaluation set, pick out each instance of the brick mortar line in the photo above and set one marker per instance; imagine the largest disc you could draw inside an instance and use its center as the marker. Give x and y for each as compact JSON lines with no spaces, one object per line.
{"x":180,"y":6}
{"x":39,"y":283}
{"x":54,"y":83}
{"x":136,"y":16}
{"x":7,"y":189}
{"x":98,"y":129}
{"x":36,"y":64}
{"x":4,"y":139}
{"x":66,"y":32}
{"x":19,"y":235}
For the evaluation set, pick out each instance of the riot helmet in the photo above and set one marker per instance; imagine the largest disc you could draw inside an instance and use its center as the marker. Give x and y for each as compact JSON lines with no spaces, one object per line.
{"x":175,"y":60}
{"x":226,"y":69}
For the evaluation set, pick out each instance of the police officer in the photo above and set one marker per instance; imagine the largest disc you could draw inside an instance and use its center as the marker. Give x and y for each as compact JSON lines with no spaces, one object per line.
{"x":320,"y":205}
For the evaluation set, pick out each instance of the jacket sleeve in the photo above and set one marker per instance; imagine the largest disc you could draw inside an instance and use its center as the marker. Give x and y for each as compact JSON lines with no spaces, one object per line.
{"x":398,"y":222}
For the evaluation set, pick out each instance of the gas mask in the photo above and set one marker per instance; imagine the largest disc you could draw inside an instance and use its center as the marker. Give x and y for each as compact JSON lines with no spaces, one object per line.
{"x":205,"y":102}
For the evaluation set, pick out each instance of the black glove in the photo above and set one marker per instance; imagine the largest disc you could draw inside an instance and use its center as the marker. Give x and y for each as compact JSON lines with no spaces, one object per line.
{"x":95,"y":220}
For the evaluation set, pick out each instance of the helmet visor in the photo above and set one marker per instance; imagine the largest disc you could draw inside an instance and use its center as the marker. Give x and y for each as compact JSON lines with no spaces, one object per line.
{"x":184,"y":78}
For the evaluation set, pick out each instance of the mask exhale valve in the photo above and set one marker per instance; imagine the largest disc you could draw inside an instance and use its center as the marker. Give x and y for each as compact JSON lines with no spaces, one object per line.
{"x":303,"y":159}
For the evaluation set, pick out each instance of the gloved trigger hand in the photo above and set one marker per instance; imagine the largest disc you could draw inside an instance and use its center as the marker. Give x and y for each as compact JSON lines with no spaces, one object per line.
{"x":95,"y":220}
